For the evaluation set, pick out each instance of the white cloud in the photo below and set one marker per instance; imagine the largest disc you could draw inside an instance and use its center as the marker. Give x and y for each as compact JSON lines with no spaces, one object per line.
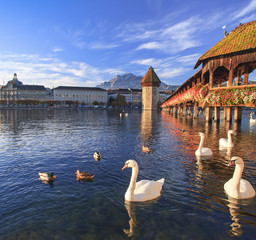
{"x":188,"y":59}
{"x":147,"y":62}
{"x":166,"y":68}
{"x":151,"y":45}
{"x":77,"y":38}
{"x":58,"y":49}
{"x":169,"y":37}
{"x":248,"y":9}
{"x":36,"y":70}
{"x":99,"y":45}
{"x":171,"y":73}
{"x":249,"y":18}
{"x":112,"y":71}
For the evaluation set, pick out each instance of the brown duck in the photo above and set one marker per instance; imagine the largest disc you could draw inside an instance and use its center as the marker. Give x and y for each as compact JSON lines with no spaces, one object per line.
{"x":84,"y":175}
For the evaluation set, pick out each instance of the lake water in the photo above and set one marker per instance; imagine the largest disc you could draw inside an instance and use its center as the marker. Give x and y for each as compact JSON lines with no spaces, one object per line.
{"x":193,"y":204}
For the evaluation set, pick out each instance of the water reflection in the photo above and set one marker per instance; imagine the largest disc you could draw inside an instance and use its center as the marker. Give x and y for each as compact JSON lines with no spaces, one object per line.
{"x":148,"y":125}
{"x":46,"y":182}
{"x":130,"y":207}
{"x":199,"y":173}
{"x":225,"y":152}
{"x":236,"y":227}
{"x":252,"y":126}
{"x":185,"y":134}
{"x":235,"y":210}
{"x":193,"y":203}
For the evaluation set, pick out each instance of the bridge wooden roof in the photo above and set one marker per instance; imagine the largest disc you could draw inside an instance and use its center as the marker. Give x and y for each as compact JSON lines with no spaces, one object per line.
{"x":178,"y":90}
{"x":242,"y":38}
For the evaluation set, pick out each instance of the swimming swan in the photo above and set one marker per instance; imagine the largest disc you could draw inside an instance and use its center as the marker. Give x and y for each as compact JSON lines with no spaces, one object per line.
{"x":236,"y":187}
{"x":143,"y":190}
{"x":251,"y":119}
{"x":202,"y":151}
{"x":227,"y":142}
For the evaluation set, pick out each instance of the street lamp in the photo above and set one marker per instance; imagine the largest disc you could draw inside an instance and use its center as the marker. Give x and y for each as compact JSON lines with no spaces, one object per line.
{"x":131,"y":96}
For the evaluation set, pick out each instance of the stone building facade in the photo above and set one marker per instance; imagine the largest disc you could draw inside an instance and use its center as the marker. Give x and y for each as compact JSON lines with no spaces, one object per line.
{"x":86,"y":95}
{"x":14,"y":90}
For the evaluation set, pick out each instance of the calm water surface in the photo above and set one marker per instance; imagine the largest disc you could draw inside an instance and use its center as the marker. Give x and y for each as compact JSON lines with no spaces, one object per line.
{"x":193,"y":204}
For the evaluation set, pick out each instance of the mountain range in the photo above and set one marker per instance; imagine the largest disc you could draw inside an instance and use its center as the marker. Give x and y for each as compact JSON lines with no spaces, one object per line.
{"x":129,"y":80}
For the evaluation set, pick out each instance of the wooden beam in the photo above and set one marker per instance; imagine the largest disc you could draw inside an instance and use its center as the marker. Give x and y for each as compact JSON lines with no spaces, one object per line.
{"x":211,"y":78}
{"x":246,"y":78}
{"x":230,"y":77}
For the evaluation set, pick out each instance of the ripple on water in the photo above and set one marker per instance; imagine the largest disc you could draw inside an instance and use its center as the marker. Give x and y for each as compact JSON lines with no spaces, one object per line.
{"x":192,"y":205}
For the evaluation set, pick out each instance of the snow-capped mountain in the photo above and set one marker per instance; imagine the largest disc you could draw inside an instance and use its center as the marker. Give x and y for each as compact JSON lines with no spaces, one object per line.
{"x":128,"y":80}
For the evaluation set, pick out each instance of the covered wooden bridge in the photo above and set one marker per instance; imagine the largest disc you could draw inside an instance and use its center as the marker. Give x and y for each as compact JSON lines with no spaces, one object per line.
{"x":223,"y":80}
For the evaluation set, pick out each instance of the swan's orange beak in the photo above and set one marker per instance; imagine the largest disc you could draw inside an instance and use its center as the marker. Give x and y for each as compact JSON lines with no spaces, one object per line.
{"x":231,"y":163}
{"x":124,"y":167}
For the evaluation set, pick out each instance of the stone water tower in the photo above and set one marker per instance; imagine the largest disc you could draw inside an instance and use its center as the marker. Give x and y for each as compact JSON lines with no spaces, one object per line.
{"x":150,"y":90}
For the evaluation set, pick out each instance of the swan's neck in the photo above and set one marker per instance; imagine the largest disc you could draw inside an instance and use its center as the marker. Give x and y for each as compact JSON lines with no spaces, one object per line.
{"x":237,"y":176}
{"x":229,"y":138}
{"x":201,"y":143}
{"x":129,"y":195}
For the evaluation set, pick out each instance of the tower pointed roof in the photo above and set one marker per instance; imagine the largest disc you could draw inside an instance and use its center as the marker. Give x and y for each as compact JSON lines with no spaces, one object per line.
{"x":150,"y":79}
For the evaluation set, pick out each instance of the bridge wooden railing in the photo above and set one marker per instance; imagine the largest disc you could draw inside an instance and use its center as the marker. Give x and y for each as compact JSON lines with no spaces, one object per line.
{"x":244,"y":95}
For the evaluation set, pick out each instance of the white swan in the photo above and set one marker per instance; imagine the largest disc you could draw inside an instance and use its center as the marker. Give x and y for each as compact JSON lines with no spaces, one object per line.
{"x":251,"y":119}
{"x":236,"y":187}
{"x":203,"y":151}
{"x":143,"y":190}
{"x":227,"y":142}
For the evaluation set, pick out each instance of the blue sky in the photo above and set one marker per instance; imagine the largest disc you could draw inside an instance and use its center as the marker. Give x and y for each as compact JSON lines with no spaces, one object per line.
{"x":87,"y":42}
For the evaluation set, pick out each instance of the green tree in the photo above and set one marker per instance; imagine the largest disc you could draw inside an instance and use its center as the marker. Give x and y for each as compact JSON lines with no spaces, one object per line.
{"x":119,"y":101}
{"x":110,"y":101}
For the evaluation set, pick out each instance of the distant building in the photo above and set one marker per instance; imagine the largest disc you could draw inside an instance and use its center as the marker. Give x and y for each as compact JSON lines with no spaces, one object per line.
{"x":173,"y":87}
{"x":15,"y":90}
{"x":86,"y":95}
{"x":132,"y":96}
{"x":163,"y":95}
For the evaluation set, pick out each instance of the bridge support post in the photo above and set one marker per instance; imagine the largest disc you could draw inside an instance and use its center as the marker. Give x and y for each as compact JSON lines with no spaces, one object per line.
{"x":189,"y":111}
{"x":208,"y":114}
{"x":228,"y":114}
{"x":195,"y":111}
{"x":179,"y":110}
{"x":174,"y":112}
{"x":217,"y":114}
{"x":184,"y":112}
{"x":238,"y":114}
